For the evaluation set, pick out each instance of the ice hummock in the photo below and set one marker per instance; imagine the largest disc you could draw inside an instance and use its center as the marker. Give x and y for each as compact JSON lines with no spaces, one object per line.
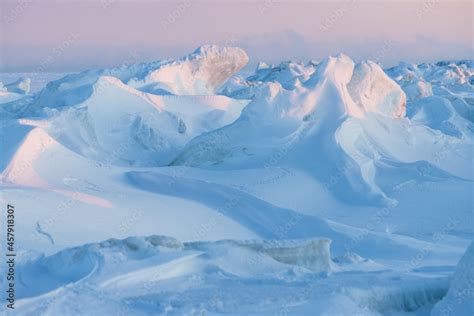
{"x":374,"y":91}
{"x":344,"y":117}
{"x":199,"y":73}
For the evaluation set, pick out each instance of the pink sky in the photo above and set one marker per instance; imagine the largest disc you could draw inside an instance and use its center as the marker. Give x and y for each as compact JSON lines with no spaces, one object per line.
{"x":69,"y":35}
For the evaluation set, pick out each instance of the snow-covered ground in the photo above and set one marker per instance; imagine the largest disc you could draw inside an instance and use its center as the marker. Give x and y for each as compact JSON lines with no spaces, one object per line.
{"x":179,"y":187}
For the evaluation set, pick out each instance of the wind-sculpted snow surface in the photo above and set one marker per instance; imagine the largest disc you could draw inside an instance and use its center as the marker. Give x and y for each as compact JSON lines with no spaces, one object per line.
{"x":460,"y":297}
{"x":159,"y":274}
{"x":347,"y":118}
{"x":440,"y":114}
{"x":443,"y":72}
{"x":134,"y":266}
{"x":151,"y":128}
{"x":151,"y":110}
{"x":200,"y":73}
{"x":319,"y":188}
{"x":21,"y":169}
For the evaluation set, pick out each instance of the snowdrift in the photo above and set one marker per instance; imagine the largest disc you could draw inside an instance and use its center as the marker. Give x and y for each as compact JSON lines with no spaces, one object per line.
{"x":288,"y":74}
{"x":439,"y":114}
{"x":268,"y":221}
{"x":348,"y":118}
{"x":200,"y":73}
{"x":444,"y":72}
{"x":22,"y":169}
{"x":113,"y":260}
{"x":460,"y":297}
{"x":152,"y":109}
{"x":142,"y":129}
{"x":158,"y":273}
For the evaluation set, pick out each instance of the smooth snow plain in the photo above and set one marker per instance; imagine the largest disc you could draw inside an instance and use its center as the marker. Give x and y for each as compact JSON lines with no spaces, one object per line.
{"x":179,"y":187}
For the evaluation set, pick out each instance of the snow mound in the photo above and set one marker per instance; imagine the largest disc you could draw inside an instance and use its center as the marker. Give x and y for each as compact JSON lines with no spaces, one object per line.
{"x":142,"y":128}
{"x":114,"y":261}
{"x":22,"y":170}
{"x":200,"y":73}
{"x":276,"y":113}
{"x":374,"y":91}
{"x":287,"y":73}
{"x":349,"y":119}
{"x":439,"y":113}
{"x":460,"y":297}
{"x":443,"y":72}
{"x":449,"y":72}
{"x":21,"y":86}
{"x":405,"y":72}
{"x":418,"y":89}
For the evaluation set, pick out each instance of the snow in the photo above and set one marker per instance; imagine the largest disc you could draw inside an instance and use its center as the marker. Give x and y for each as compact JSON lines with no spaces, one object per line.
{"x":128,"y":275}
{"x":15,"y":90}
{"x":460,"y":297}
{"x":6,"y":97}
{"x":287,"y":73}
{"x":439,"y":113}
{"x":142,"y":262}
{"x":21,"y":86}
{"x":417,"y":90}
{"x":38,"y":79}
{"x":374,"y":91}
{"x":21,"y":169}
{"x":181,"y":187}
{"x":199,"y":73}
{"x":151,"y":128}
{"x":347,"y":116}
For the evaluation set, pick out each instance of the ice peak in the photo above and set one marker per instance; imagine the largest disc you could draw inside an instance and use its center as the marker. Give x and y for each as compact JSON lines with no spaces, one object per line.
{"x":208,"y":49}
